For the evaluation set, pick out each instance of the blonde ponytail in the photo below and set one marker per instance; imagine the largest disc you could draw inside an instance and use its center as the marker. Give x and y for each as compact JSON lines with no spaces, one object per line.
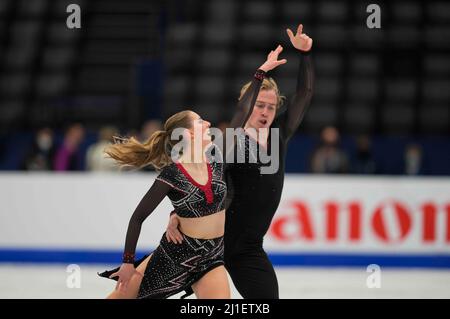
{"x":155,"y":151}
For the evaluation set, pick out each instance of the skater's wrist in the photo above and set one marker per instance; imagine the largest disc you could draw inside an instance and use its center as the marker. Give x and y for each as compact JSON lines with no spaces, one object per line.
{"x":260,"y":74}
{"x":128,"y":258}
{"x":305,"y":53}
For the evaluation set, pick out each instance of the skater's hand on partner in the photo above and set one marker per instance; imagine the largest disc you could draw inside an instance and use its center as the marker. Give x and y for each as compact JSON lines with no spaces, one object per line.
{"x":300,"y":41}
{"x":125,"y":273}
{"x":272,"y":60}
{"x":172,"y":232}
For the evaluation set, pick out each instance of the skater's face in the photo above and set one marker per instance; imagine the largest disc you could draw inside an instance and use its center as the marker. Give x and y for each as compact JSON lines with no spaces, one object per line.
{"x":264,"y":111}
{"x":202,"y":126}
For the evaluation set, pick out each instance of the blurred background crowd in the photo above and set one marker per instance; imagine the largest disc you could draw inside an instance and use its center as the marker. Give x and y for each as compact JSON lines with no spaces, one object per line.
{"x":381,"y":103}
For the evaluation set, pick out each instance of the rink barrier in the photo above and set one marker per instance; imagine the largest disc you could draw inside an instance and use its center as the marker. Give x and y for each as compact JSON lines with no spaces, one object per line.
{"x":50,"y":256}
{"x":320,"y":221}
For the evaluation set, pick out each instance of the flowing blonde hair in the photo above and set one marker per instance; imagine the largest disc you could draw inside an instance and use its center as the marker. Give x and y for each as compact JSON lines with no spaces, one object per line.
{"x":268,"y":84}
{"x":129,"y":152}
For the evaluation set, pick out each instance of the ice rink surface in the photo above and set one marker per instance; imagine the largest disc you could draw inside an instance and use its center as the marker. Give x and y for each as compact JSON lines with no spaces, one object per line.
{"x":51,"y":281}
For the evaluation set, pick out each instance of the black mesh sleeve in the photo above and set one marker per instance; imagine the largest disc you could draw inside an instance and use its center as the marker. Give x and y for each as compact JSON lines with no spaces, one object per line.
{"x":302,"y":97}
{"x":247,"y":102}
{"x":243,"y":111}
{"x":146,"y":206}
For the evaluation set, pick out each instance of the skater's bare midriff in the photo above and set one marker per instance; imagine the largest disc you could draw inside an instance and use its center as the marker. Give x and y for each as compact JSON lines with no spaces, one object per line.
{"x":206,"y":227}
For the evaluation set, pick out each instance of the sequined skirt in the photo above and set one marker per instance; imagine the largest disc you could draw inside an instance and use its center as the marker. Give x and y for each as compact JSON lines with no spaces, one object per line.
{"x":173,"y":268}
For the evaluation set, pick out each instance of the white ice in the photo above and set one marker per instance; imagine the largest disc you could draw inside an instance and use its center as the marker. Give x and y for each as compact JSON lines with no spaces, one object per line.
{"x":50,"y":281}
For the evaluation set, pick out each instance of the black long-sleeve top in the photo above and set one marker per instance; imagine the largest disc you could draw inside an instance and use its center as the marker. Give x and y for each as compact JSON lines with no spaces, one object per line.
{"x":159,"y":190}
{"x":256,"y":196}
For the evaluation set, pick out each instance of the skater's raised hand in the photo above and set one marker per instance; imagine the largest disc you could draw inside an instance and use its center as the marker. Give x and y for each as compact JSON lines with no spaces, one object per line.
{"x":300,"y":41}
{"x":125,"y":273}
{"x":272,"y":60}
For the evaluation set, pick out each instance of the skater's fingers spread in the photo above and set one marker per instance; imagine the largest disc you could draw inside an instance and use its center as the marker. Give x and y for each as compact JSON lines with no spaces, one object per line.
{"x":290,"y":34}
{"x":171,"y":234}
{"x":174,"y":234}
{"x":275,"y":55}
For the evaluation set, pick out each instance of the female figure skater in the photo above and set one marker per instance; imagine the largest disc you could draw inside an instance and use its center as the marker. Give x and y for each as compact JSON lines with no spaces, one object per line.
{"x":256,"y":196}
{"x":197,"y":192}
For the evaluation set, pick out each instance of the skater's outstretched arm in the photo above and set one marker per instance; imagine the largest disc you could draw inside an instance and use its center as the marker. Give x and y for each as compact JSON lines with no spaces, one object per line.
{"x":247,"y":101}
{"x":302,"y":98}
{"x":146,"y":206}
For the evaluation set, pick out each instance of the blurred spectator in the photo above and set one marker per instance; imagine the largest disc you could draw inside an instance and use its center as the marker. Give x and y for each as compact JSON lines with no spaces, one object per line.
{"x":148,"y":128}
{"x":132,"y":132}
{"x":413,"y":160}
{"x":95,"y":156}
{"x":67,"y":157}
{"x":41,"y":153}
{"x":329,"y":158}
{"x":364,"y":162}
